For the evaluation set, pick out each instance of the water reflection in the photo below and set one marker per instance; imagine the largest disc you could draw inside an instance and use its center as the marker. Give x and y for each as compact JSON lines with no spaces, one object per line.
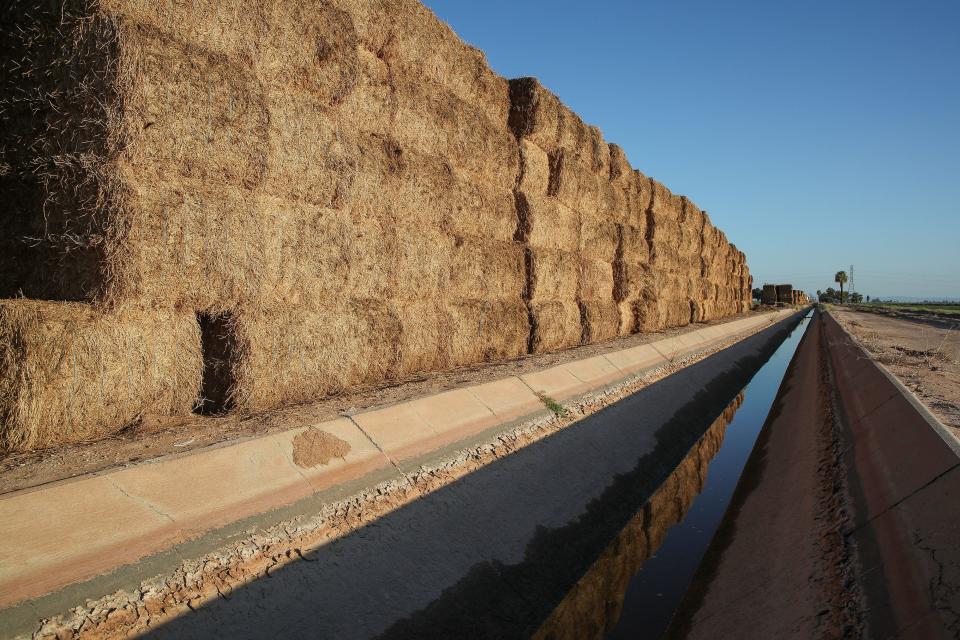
{"x":594,"y":605}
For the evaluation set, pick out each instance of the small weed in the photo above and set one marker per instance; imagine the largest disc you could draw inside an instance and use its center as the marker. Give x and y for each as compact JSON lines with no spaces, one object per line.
{"x":554,"y":406}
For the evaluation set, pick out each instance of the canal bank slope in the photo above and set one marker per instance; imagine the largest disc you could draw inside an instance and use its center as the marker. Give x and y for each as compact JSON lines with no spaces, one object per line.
{"x":840,"y":525}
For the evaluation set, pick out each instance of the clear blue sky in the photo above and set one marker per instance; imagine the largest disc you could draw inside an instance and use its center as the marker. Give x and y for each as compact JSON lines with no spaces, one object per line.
{"x":817,"y":134}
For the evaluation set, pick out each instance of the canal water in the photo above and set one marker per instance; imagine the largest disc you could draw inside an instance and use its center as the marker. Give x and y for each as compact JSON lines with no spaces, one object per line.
{"x":593,"y":531}
{"x":655,"y":591}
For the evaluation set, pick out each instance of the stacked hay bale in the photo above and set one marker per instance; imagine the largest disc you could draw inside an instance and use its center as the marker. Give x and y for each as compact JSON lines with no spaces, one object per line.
{"x":570,"y":213}
{"x":671,"y":282}
{"x":332,"y":195}
{"x":785,"y":293}
{"x":332,"y":184}
{"x":69,"y":373}
{"x":633,"y":285}
{"x":769,"y":295}
{"x":741,"y":282}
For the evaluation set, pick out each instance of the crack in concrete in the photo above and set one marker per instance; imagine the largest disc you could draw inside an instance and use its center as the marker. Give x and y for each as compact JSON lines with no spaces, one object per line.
{"x":385,"y":454}
{"x":941,"y":591}
{"x":896,"y":504}
{"x":294,"y":466}
{"x":146,"y":503}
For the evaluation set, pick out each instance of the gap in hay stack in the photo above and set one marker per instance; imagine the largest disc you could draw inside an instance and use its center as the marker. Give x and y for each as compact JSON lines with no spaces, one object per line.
{"x":217,"y":342}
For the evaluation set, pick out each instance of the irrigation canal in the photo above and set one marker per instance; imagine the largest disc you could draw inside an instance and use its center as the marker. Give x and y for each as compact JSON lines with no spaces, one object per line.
{"x":595,"y":530}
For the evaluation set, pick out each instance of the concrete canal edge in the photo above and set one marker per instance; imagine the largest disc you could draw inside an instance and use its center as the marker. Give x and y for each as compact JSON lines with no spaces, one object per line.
{"x":904,"y":475}
{"x":89,"y":536}
{"x":844,"y":514}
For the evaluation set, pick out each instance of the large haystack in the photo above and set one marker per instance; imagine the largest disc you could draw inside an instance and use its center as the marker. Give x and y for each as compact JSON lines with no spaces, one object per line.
{"x":341,"y":192}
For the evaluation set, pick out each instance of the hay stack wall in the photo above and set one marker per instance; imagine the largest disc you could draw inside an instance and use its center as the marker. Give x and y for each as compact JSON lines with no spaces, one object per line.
{"x":769,"y":295}
{"x":785,"y":293}
{"x":605,"y":240}
{"x":336,"y":194}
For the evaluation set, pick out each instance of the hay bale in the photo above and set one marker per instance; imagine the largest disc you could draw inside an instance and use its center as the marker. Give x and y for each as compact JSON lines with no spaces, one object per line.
{"x":488,"y":331}
{"x":646,"y":313}
{"x":297,"y":354}
{"x":599,"y":239}
{"x":539,"y":116}
{"x":636,"y":192}
{"x":663,"y":203}
{"x":600,"y":320}
{"x":581,"y":188}
{"x":428,"y":189}
{"x":628,"y":317}
{"x":553,"y":274}
{"x":534,"y":170}
{"x":485,"y":270}
{"x":425,"y":339}
{"x":631,"y":281}
{"x":621,"y":172}
{"x":634,"y":244}
{"x":548,"y":224}
{"x":555,"y":325}
{"x":418,"y":44}
{"x":69,"y":373}
{"x":436,"y":121}
{"x":207,"y":252}
{"x":427,"y":261}
{"x":784,"y":293}
{"x":596,"y":280}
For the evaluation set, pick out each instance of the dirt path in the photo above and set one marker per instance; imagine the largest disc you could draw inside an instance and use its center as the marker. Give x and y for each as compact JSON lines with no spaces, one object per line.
{"x":925,"y":356}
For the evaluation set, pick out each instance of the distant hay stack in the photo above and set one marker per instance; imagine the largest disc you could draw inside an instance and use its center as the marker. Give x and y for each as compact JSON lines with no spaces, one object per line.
{"x":333,"y":195}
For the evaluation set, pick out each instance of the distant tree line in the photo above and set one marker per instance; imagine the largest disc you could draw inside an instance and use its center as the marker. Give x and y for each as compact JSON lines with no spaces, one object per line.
{"x":840,"y":297}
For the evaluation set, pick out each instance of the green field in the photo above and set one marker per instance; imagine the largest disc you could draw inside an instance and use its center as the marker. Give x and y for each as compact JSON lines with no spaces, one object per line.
{"x":940,"y":308}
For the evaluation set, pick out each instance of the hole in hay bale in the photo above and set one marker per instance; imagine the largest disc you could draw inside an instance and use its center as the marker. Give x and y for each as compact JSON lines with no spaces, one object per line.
{"x":217,"y":341}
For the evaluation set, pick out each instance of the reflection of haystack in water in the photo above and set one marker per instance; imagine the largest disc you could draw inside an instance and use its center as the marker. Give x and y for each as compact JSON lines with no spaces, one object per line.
{"x":343,"y":191}
{"x":593,"y":606}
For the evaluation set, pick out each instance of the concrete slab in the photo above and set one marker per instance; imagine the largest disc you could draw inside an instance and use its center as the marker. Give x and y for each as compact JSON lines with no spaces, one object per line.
{"x":394,"y":427}
{"x":637,"y":359}
{"x":453,"y":416}
{"x":556,"y":382}
{"x":596,"y":372}
{"x":709,"y":335}
{"x":410,"y":430}
{"x":902,"y":472}
{"x":671,"y":347}
{"x":509,"y":399}
{"x":221,"y":485}
{"x":363,"y":457}
{"x":887,"y":479}
{"x":69,"y":531}
{"x":692,"y":339}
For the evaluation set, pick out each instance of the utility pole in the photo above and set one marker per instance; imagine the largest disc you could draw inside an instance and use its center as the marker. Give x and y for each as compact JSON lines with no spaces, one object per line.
{"x":851,"y":282}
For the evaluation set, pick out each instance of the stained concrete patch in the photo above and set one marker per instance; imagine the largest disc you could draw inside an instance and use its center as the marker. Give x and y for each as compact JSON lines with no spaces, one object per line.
{"x":315,"y":447}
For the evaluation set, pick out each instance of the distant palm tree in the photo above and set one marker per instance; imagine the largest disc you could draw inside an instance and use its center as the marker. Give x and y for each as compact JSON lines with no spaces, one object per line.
{"x":841,"y":277}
